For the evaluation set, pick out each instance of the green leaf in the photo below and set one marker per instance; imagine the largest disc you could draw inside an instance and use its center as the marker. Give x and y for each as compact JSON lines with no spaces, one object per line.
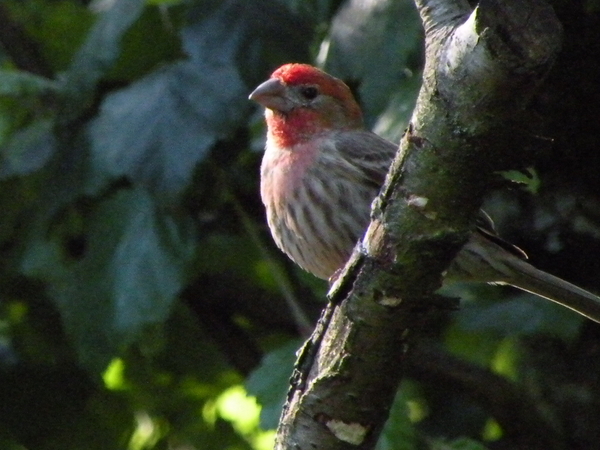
{"x":399,"y":432}
{"x":478,"y":348}
{"x":28,"y":150}
{"x":524,"y":314}
{"x":270,"y":382}
{"x":252,"y":36}
{"x":393,"y":121}
{"x":220,"y":254}
{"x":158,"y":129}
{"x":462,"y":443}
{"x":377,"y":44}
{"x":133,"y":267}
{"x":528,"y":179}
{"x":18,"y":83}
{"x":149,"y":43}
{"x":59,"y":27}
{"x":98,"y":53}
{"x":181,"y":358}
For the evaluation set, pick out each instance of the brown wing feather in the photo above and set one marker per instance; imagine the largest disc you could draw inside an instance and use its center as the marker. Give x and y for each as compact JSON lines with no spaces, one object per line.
{"x":371,"y":154}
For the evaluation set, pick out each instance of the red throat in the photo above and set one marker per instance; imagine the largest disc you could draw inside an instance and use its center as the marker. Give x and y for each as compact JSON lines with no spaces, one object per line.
{"x":301,"y":125}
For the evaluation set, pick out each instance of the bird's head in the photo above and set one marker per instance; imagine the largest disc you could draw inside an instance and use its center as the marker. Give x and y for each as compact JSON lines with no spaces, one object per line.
{"x":303,"y":101}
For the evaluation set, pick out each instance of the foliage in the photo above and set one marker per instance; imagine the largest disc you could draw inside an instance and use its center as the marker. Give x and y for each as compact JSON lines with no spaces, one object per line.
{"x":139,"y":288}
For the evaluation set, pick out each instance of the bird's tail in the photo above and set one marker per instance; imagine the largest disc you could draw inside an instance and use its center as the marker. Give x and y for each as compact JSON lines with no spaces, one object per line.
{"x":533,"y":280}
{"x":485,"y":260}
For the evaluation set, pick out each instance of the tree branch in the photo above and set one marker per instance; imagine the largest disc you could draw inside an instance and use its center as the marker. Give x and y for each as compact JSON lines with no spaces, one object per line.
{"x":480,"y":70}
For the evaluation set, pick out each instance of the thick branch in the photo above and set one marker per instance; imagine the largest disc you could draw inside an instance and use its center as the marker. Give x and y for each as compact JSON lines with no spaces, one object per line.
{"x":457,"y":138}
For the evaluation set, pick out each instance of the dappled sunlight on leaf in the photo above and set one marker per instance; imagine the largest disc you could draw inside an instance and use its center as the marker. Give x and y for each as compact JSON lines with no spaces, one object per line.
{"x":113,"y":376}
{"x":235,"y":406}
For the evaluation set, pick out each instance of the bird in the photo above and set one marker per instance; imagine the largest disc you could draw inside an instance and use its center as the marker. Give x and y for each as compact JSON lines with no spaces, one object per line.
{"x":322,"y":169}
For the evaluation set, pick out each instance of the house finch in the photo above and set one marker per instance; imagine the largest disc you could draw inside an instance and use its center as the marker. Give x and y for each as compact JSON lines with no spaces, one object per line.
{"x":321,"y":171}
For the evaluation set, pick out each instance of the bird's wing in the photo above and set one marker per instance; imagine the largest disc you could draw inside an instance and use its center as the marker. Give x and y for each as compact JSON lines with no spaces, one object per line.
{"x":370,"y":154}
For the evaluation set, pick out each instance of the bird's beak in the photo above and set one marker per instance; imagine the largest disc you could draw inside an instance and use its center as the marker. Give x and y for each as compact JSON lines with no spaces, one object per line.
{"x":272,"y":94}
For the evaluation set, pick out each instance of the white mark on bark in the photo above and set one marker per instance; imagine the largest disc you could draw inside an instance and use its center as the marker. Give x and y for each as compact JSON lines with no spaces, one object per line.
{"x":353,"y":433}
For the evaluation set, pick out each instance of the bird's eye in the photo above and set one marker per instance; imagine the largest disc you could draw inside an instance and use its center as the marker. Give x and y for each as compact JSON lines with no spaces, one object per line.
{"x":309,"y":92}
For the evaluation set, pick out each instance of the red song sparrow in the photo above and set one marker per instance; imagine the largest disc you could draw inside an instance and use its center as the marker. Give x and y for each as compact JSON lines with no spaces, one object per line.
{"x":321,"y":171}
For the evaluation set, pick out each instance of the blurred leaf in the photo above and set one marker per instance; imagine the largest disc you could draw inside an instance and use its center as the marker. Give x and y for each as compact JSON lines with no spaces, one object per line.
{"x":393,"y":121}
{"x":321,"y":10}
{"x":492,"y":431}
{"x":270,"y":382}
{"x":374,"y":43}
{"x":220,"y":253}
{"x":151,"y":42}
{"x":251,"y":36}
{"x":58,"y":26}
{"x":399,"y":432}
{"x":133,"y":267}
{"x":240,"y":409}
{"x":183,"y":356}
{"x":477,"y":347}
{"x":158,"y":129}
{"x":529,"y":180}
{"x":98,"y":53}
{"x":525,"y":314}
{"x":28,"y":149}
{"x":507,"y":359}
{"x":463,"y":443}
{"x":19,"y":83}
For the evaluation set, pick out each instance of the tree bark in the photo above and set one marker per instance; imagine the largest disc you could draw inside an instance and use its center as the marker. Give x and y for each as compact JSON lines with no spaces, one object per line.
{"x":481,"y":68}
